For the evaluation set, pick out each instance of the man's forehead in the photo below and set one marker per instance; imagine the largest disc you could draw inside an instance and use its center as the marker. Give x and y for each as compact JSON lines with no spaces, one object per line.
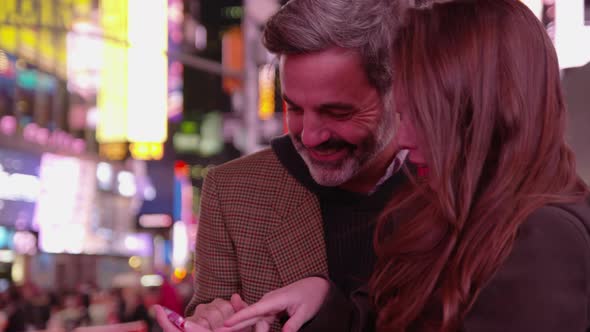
{"x":321,"y":66}
{"x":332,"y":56}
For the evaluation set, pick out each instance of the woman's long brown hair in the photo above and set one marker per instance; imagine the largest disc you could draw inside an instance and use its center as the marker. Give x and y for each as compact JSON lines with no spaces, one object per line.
{"x":479,"y":80}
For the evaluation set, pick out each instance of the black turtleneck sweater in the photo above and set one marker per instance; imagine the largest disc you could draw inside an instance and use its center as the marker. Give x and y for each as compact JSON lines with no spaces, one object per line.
{"x":348,"y":219}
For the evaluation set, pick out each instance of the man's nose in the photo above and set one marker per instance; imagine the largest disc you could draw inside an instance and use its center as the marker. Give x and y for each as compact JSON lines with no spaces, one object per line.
{"x":315,"y":131}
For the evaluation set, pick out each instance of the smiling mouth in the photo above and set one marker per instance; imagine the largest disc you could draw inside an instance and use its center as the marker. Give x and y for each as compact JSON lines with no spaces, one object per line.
{"x":326,"y":152}
{"x":327,"y":155}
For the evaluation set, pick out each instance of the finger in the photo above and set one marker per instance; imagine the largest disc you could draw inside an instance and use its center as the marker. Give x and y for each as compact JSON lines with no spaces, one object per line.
{"x":197,"y":316}
{"x":237,"y":302}
{"x":261,"y":308}
{"x":241,"y":325}
{"x":225,"y":308}
{"x":295,"y":322}
{"x":214,"y":317}
{"x":202,"y":314}
{"x":262,"y":326}
{"x":163,"y":321}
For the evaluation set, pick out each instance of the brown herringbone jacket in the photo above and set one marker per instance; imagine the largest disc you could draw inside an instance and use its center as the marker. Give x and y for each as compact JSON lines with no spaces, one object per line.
{"x":259,"y":230}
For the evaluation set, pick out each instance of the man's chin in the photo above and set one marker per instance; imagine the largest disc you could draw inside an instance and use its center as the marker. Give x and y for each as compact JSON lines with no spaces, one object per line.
{"x":330,"y":176}
{"x":327,"y":181}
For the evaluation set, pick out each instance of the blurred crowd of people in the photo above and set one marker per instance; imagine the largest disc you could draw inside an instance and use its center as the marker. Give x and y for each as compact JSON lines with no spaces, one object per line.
{"x":31,"y":308}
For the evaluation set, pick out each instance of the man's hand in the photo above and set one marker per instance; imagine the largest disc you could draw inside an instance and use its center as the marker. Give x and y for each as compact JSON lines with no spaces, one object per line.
{"x":212,"y":315}
{"x":301,"y":300}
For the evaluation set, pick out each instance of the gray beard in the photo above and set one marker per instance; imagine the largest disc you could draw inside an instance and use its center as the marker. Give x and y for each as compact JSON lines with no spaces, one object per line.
{"x":333,"y":175}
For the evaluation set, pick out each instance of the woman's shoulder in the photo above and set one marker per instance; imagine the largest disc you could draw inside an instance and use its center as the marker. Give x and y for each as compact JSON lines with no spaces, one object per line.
{"x":555,"y":236}
{"x":557,"y":225}
{"x":544,"y":283}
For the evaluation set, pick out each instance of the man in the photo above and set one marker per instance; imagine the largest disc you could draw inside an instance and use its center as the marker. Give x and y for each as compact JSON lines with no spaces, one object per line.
{"x":307,"y":205}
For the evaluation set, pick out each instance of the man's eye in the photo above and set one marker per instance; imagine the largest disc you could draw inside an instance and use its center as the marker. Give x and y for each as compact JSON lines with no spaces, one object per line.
{"x":342,"y":115}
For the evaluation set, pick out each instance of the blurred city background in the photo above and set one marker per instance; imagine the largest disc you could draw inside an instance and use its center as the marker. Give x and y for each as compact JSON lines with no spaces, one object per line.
{"x":111,"y":114}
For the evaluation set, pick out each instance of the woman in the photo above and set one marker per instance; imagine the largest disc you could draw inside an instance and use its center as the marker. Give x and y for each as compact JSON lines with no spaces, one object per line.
{"x":496,"y":236}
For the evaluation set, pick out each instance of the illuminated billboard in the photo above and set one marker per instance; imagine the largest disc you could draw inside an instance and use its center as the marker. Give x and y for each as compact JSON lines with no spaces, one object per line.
{"x":36,"y":30}
{"x":133,"y":98}
{"x":568,"y":24}
{"x":19,"y":188}
{"x":65,"y":205}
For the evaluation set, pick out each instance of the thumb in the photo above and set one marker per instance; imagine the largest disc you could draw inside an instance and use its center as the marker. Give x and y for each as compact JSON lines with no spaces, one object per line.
{"x":295,"y":322}
{"x":237,"y":302}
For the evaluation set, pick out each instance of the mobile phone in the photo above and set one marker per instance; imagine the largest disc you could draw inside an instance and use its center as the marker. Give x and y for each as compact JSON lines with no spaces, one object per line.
{"x":175,"y":318}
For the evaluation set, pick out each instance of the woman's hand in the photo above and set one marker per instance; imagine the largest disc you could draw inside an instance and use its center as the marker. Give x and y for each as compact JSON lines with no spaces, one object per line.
{"x":209,"y":318}
{"x":168,"y":326}
{"x":301,"y":300}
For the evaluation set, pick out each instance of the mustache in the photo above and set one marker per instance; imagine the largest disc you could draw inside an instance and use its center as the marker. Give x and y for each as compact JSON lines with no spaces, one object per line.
{"x":331,"y":144}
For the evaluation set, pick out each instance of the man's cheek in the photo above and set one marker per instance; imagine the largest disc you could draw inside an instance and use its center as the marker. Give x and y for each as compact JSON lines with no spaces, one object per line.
{"x":294,"y":123}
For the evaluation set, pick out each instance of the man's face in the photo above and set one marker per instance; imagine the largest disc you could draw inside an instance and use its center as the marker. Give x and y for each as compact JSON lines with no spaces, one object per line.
{"x":335,"y":117}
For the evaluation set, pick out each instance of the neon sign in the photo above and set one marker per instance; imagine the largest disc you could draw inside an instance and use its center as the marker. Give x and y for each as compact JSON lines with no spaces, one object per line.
{"x":570,"y":29}
{"x":19,"y":187}
{"x":571,"y":34}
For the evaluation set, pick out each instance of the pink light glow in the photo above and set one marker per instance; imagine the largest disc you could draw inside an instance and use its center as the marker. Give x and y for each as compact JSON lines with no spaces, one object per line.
{"x":67,"y":143}
{"x":8,"y":125}
{"x":79,"y":145}
{"x":30,"y":132}
{"x":42,"y":136}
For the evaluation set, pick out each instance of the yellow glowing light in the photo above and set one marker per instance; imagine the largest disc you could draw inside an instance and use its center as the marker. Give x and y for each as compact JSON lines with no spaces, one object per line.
{"x":8,"y":40}
{"x":146,"y":150}
{"x":113,"y":151}
{"x":41,"y":45}
{"x":180,"y":273}
{"x":18,"y":270}
{"x":157,"y":151}
{"x":135,"y":262}
{"x":266,"y":92}
{"x":28,"y":43}
{"x":47,"y":48}
{"x":112,"y":95}
{"x":3,"y":62}
{"x":133,"y":99}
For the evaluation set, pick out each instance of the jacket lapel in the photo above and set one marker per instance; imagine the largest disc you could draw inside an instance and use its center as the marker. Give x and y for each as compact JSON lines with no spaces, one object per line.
{"x":296,"y":243}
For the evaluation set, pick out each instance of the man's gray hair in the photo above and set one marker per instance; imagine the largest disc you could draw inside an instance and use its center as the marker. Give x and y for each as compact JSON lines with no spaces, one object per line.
{"x":366,"y":26}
